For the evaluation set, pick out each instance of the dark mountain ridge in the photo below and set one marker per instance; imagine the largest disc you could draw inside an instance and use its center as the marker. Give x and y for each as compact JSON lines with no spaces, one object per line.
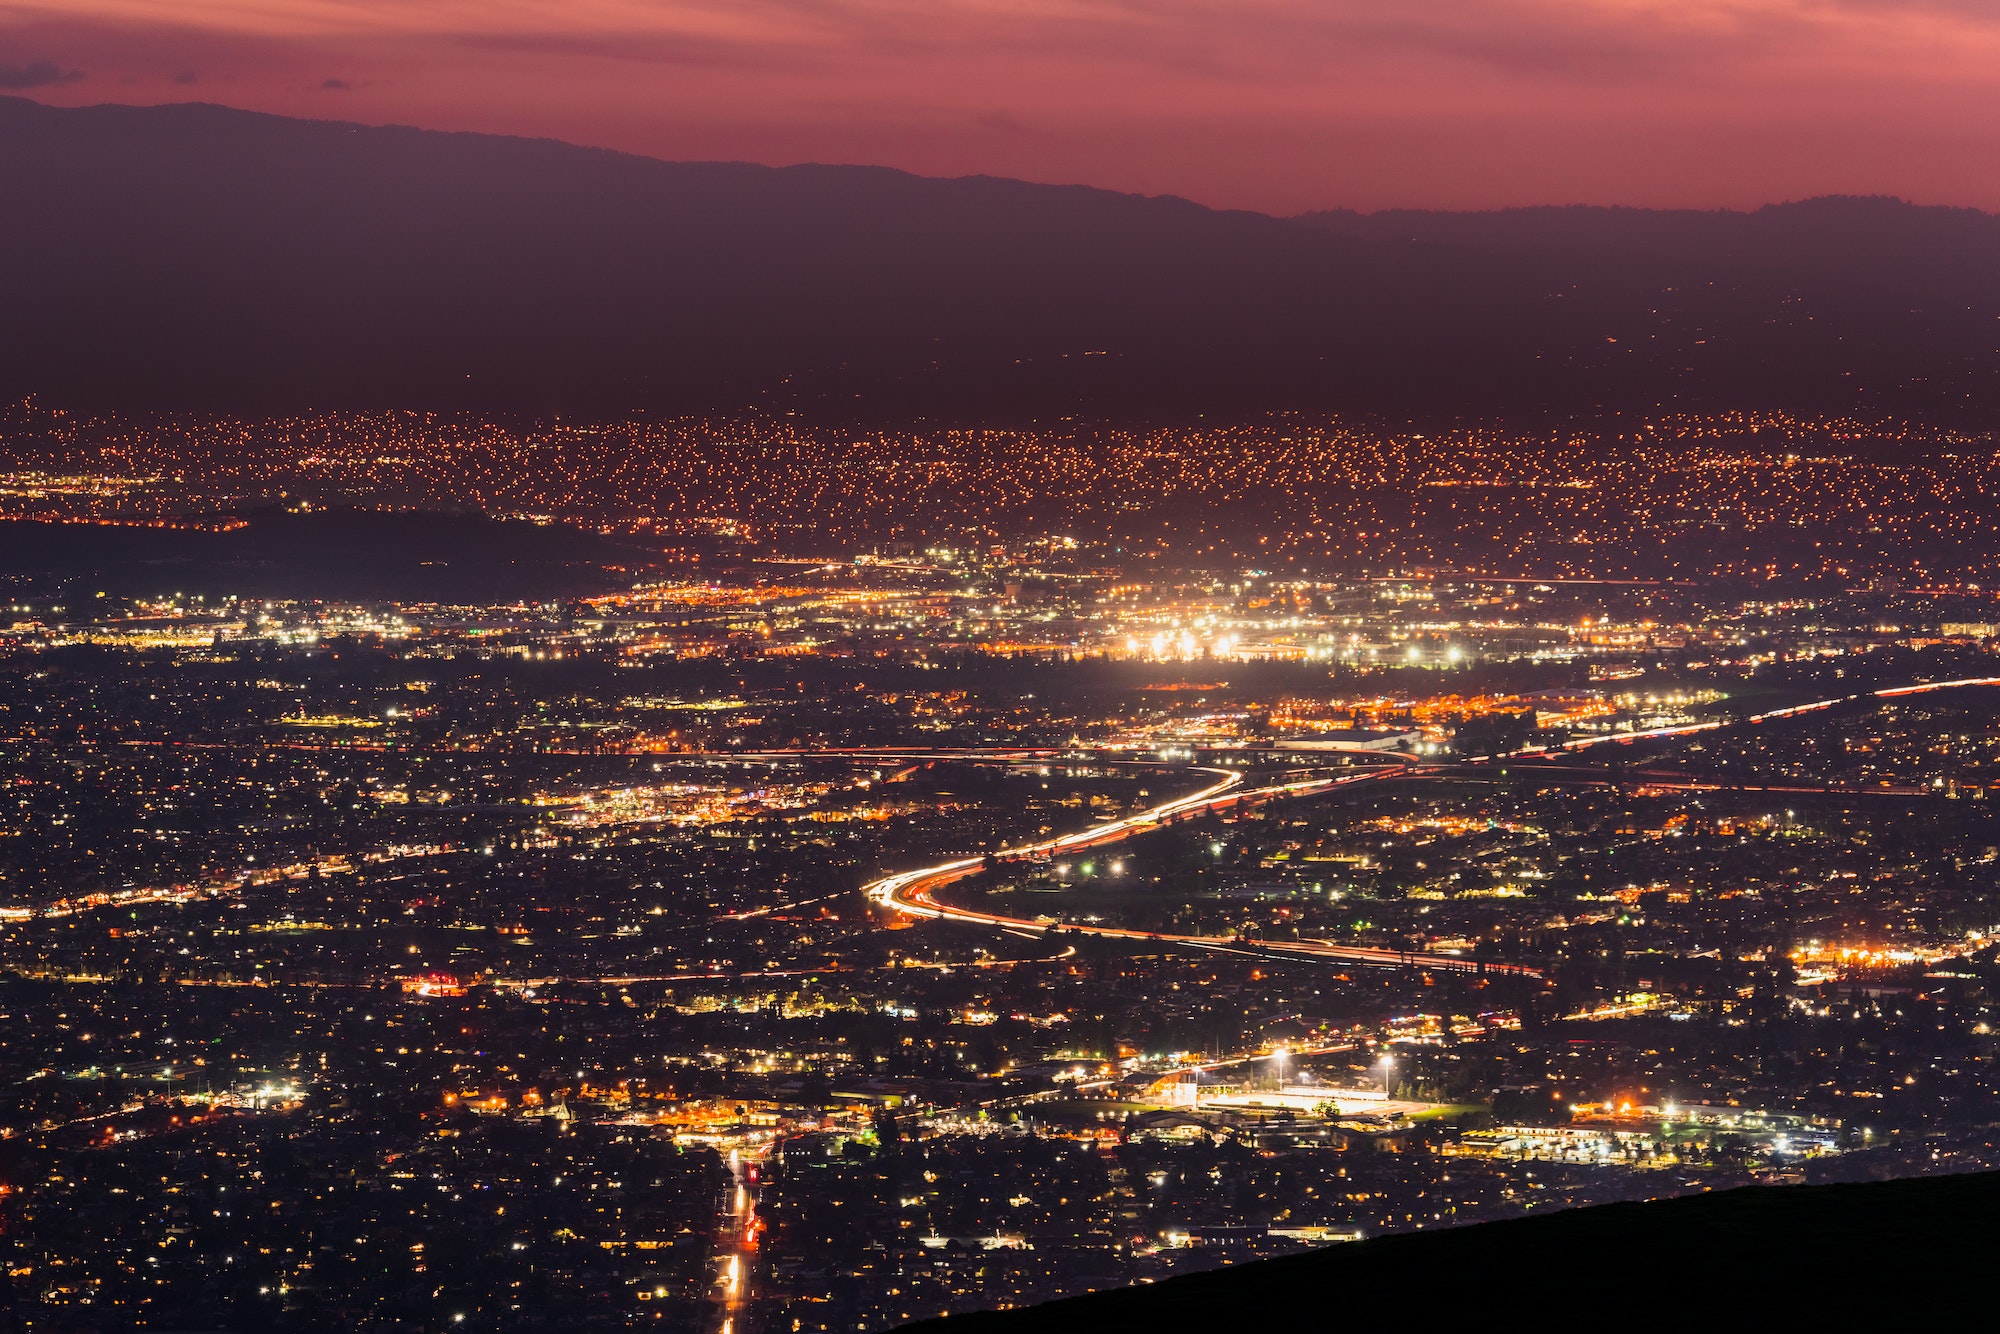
{"x":196,"y":256}
{"x":1901,"y":243}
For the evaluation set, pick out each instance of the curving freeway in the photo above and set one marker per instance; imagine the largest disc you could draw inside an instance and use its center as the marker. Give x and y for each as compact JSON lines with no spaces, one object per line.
{"x":913,"y":892}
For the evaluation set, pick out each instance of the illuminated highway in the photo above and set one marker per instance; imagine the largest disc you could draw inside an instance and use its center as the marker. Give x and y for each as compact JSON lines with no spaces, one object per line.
{"x":912,"y":891}
{"x":1790,"y":711}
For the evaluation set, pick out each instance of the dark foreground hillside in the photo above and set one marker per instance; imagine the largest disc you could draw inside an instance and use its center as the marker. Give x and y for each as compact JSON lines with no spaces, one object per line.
{"x":1883,"y":1255}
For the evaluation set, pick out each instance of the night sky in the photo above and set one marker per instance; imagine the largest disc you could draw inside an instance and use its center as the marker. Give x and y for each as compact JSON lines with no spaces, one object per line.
{"x":1278,"y":105}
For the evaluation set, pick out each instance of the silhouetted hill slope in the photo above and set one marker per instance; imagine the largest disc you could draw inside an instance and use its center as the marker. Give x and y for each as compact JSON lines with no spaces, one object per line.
{"x":1886,"y":1255}
{"x":197,"y":256}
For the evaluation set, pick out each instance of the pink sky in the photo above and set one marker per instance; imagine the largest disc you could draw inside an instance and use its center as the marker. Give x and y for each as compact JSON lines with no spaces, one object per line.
{"x":1281,"y":105}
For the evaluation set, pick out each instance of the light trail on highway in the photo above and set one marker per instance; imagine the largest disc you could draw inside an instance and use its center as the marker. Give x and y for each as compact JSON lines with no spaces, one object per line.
{"x":1752,"y":720}
{"x":912,"y":892}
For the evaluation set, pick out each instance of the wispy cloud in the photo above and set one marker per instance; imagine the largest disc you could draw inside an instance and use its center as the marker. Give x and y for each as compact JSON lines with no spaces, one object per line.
{"x":1276,"y":103}
{"x":35,"y":74}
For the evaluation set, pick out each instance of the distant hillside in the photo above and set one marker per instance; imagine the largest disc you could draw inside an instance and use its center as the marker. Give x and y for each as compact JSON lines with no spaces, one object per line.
{"x":196,"y":256}
{"x":331,"y":554}
{"x":1893,"y":1255}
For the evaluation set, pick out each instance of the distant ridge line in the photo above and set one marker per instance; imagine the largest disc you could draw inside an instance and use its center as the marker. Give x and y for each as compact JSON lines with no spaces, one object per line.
{"x":194,"y":256}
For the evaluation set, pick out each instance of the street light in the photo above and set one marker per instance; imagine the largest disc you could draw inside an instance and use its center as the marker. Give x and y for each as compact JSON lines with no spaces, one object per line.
{"x":1388,"y":1067}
